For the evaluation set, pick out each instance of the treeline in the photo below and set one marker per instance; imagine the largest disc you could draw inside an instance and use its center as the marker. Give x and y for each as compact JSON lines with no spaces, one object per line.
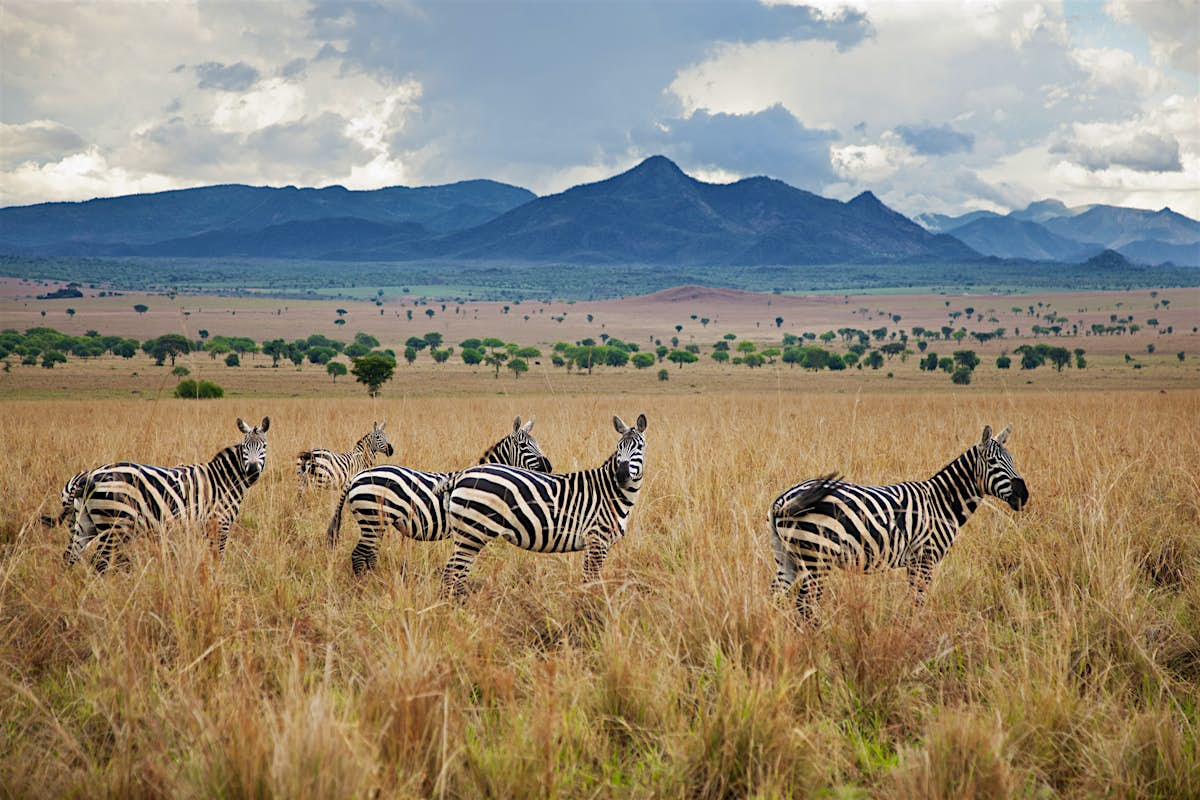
{"x":50,"y":347}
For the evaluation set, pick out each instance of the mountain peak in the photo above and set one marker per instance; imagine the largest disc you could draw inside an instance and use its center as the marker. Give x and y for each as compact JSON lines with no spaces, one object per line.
{"x":656,"y":165}
{"x":866,"y":198}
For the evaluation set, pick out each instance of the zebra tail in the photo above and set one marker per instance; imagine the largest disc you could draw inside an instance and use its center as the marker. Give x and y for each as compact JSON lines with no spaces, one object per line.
{"x":50,"y":522}
{"x":335,"y":525}
{"x":807,"y":499}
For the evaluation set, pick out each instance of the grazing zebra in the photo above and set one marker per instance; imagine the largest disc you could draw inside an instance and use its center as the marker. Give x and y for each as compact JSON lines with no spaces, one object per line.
{"x":389,"y":495}
{"x":67,"y":498}
{"x":823,"y":523}
{"x":586,"y":510}
{"x":119,"y":500}
{"x":325,"y":468}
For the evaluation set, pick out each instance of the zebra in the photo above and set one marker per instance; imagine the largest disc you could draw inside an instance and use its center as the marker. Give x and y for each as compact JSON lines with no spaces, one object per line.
{"x":325,"y":468}
{"x":119,"y":500}
{"x":822,"y":523}
{"x":67,"y":498}
{"x":587,"y":510}
{"x":389,"y":495}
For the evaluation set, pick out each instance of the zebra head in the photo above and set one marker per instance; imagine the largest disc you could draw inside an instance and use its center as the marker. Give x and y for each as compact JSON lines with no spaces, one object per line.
{"x":254,"y":447}
{"x":631,"y":451}
{"x":995,"y":471}
{"x":376,"y":441}
{"x":518,"y":449}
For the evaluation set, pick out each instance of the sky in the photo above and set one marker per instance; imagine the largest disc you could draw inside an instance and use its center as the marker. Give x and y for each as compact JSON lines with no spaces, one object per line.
{"x":935,"y":106}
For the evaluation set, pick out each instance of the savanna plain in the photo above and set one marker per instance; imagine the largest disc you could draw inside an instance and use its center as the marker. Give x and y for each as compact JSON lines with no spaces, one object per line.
{"x":1058,"y":653}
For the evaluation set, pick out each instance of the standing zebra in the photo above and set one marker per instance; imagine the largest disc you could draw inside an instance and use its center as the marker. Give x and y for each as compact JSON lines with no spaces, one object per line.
{"x":389,"y":495}
{"x":823,"y":523}
{"x":586,"y":510}
{"x":119,"y":500}
{"x":325,"y":468}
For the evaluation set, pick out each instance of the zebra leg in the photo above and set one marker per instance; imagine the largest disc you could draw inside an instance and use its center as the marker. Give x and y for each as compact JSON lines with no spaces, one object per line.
{"x":920,"y":574}
{"x":785,"y":564}
{"x":593,"y":559}
{"x":371,"y":527}
{"x":223,"y":527}
{"x":809,"y":593}
{"x":466,"y":550}
{"x":82,"y":533}
{"x":106,"y":542}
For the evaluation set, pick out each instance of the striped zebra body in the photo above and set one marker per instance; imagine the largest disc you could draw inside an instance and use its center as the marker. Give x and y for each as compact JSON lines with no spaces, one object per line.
{"x":120,"y":500}
{"x":327,"y":469}
{"x":390,"y":496}
{"x":825,"y":523}
{"x":586,"y":510}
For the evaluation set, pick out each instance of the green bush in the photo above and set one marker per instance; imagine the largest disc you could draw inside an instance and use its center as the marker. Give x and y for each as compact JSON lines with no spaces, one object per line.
{"x":198,"y":390}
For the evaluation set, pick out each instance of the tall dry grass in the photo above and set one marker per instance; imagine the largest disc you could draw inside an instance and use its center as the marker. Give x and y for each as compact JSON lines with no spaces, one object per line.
{"x":1059,"y":653}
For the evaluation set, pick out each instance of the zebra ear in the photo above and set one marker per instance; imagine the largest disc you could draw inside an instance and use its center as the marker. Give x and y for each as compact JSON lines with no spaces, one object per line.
{"x":641,"y":423}
{"x":987,"y":434}
{"x":516,"y":424}
{"x":266,"y":423}
{"x":621,"y":427}
{"x":243,"y":427}
{"x":1002,"y":436}
{"x":528,"y":425}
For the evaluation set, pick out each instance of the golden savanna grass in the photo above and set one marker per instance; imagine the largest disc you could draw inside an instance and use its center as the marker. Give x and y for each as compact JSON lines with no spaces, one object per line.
{"x":1059,"y":653}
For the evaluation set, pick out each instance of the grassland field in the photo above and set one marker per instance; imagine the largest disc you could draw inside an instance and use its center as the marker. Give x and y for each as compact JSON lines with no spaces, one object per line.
{"x":1058,"y":655}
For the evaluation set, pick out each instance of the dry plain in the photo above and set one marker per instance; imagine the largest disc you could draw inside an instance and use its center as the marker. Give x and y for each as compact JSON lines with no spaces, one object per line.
{"x":1059,"y":653}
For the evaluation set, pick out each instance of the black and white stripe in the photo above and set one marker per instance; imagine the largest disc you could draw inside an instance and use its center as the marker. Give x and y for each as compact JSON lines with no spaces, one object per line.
{"x":388,"y":496}
{"x":325,"y":468}
{"x":567,"y":513}
{"x":67,"y":498}
{"x":119,"y":500}
{"x":825,"y":523}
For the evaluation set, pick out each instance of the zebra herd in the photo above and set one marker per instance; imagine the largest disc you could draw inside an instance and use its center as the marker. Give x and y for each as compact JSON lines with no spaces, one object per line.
{"x":512,"y":494}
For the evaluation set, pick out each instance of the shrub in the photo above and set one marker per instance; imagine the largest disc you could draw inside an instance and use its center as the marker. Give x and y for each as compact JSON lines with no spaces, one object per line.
{"x":232,"y":360}
{"x":664,"y":375}
{"x":1003,"y":362}
{"x":181,"y":371}
{"x":198,"y":390}
{"x":961,"y":376}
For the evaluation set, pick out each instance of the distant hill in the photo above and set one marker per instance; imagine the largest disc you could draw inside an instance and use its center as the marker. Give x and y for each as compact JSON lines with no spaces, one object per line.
{"x":941,"y":223}
{"x":656,"y":214}
{"x":222,"y":220}
{"x":1050,"y":230}
{"x":1114,"y":226}
{"x":1015,"y":238}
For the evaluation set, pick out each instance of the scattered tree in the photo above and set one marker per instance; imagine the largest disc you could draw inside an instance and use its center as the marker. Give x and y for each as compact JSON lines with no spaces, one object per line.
{"x":373,"y":370}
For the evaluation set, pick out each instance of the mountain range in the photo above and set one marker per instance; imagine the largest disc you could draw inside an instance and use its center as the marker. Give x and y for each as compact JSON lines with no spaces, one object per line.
{"x":652,"y":214}
{"x":1048,"y":230}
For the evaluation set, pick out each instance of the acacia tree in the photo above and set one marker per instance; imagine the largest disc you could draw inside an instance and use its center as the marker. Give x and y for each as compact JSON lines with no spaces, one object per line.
{"x":373,"y":370}
{"x":168,"y":345}
{"x":335,"y":368}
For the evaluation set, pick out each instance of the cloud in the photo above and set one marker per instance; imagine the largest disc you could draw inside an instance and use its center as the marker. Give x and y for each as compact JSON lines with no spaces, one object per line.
{"x":39,"y":141}
{"x":228,"y":77}
{"x":529,"y":91}
{"x":929,"y":140}
{"x":1170,"y":25}
{"x":78,"y":176}
{"x":769,"y":142}
{"x":871,"y":163}
{"x":1100,"y":146}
